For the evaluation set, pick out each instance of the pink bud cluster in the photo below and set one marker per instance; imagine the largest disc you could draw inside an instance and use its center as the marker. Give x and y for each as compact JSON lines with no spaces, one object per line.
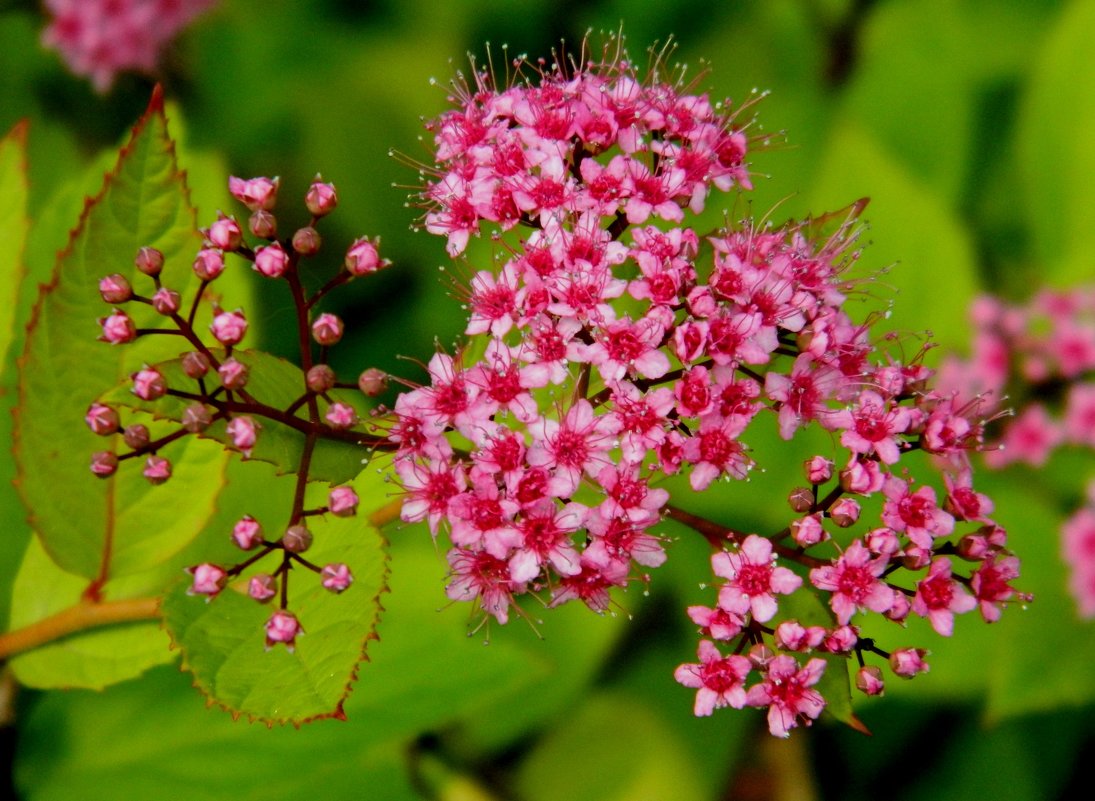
{"x":619,"y":346}
{"x":100,"y":38}
{"x":215,"y":385}
{"x":1038,"y":358}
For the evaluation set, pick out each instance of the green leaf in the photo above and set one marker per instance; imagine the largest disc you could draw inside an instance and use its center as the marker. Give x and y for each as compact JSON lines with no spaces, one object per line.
{"x":92,"y":659}
{"x":910,"y":226}
{"x":13,"y":233}
{"x":222,"y":640}
{"x":86,"y":526}
{"x":1057,"y":154}
{"x":277,"y":384}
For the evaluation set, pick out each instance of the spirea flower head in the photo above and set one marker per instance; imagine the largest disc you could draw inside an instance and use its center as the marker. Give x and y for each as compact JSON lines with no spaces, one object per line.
{"x":620,"y":345}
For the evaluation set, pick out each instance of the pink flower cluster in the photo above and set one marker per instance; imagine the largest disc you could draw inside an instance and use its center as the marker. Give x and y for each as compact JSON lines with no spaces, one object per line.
{"x":100,"y":38}
{"x":617,"y":346}
{"x":1038,"y":357}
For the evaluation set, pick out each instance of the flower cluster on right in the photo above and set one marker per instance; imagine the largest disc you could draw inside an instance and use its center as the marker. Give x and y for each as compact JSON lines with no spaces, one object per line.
{"x":1039,"y":357}
{"x":616,"y":345}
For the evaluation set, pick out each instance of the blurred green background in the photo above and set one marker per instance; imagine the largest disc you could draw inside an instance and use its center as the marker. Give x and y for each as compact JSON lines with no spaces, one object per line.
{"x":968,"y":124}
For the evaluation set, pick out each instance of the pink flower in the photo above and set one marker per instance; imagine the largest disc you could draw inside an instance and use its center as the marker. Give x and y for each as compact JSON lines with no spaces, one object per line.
{"x":478,"y":576}
{"x":908,"y":662}
{"x":719,"y":680}
{"x":717,"y":623}
{"x":788,"y":694}
{"x":363,"y":257}
{"x":753,"y":580}
{"x":854,"y":583}
{"x":871,"y":426}
{"x":914,"y":512}
{"x":255,"y":193}
{"x":990,"y":585}
{"x":578,"y":443}
{"x":714,"y":450}
{"x":939,"y":597}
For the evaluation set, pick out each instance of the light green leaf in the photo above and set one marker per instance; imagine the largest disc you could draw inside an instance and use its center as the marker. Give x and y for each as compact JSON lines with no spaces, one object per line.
{"x":92,"y":659}
{"x":143,"y":202}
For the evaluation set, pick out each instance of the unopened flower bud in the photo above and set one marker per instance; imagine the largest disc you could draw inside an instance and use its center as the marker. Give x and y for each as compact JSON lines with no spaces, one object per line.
{"x":262,"y":587}
{"x":115,"y":288}
{"x":320,"y":378}
{"x":342,"y":502}
{"x":327,"y":329}
{"x":801,"y":499}
{"x":363,"y":257}
{"x":916,"y":558}
{"x":908,"y":662}
{"x":101,"y":419}
{"x":229,"y":327}
{"x":372,"y":382}
{"x":208,"y":264}
{"x":900,"y":609}
{"x":149,"y":261}
{"x":156,"y":469}
{"x":840,"y":640}
{"x":104,"y":463}
{"x":243,"y":431}
{"x":136,"y":436}
{"x":166,"y":301}
{"x":255,"y":193}
{"x":272,"y":261}
{"x":882,"y":541}
{"x":247,"y":533}
{"x":760,"y":655}
{"x":195,"y":364}
{"x":209,"y":580}
{"x":808,"y":531}
{"x":196,"y":417}
{"x":307,"y":241}
{"x":818,"y":469}
{"x":862,"y":476}
{"x":321,"y":198}
{"x":263,"y":224}
{"x":297,"y":539}
{"x":868,"y":680}
{"x":149,"y":384}
{"x":118,"y":328}
{"x":793,"y":636}
{"x":336,"y":577}
{"x":844,"y":512}
{"x":975,"y":548}
{"x":341,"y":415}
{"x":233,"y":374}
{"x":282,"y":627}
{"x":225,"y":233}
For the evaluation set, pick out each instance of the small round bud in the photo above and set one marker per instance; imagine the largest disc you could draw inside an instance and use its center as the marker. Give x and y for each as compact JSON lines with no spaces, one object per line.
{"x":209,"y":580}
{"x":195,"y":365}
{"x":760,"y":655}
{"x":862,"y":477}
{"x":801,"y":499}
{"x":166,"y":301}
{"x":363,"y":257}
{"x":196,"y":417}
{"x":102,"y":419}
{"x":297,"y":539}
{"x":974,"y":548}
{"x":341,"y":415}
{"x":115,"y":288}
{"x":882,"y":541}
{"x":908,"y":662}
{"x":840,"y":640}
{"x":104,"y":463}
{"x":263,"y":224}
{"x":327,"y":329}
{"x":208,"y":264}
{"x":136,"y":436}
{"x":868,"y":680}
{"x":247,"y":533}
{"x":808,"y":531}
{"x":342,"y":502}
{"x":149,"y":384}
{"x":225,"y":233}
{"x":156,"y":469}
{"x":844,"y":512}
{"x":900,"y":609}
{"x":229,"y":327}
{"x":271,"y":260}
{"x":336,"y":577}
{"x":257,"y":194}
{"x":233,"y":374}
{"x":916,"y":558}
{"x":307,"y":241}
{"x":320,"y":378}
{"x":118,"y":328}
{"x":818,"y":469}
{"x":244,"y":432}
{"x":321,"y":198}
{"x":282,"y":627}
{"x":149,"y":261}
{"x":262,"y":587}
{"x":372,"y":382}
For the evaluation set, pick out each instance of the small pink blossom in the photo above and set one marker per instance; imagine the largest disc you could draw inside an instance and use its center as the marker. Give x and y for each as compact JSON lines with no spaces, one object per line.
{"x":788,"y":694}
{"x":854,"y":583}
{"x":908,"y":662}
{"x":752,"y":579}
{"x":719,"y":680}
{"x":939,"y":597}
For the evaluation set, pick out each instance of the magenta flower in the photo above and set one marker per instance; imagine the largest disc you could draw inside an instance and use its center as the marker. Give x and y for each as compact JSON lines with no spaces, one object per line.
{"x":579,"y":443}
{"x":854,"y":581}
{"x":752,"y":579}
{"x":939,"y":597}
{"x":788,"y":694}
{"x":719,"y":680}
